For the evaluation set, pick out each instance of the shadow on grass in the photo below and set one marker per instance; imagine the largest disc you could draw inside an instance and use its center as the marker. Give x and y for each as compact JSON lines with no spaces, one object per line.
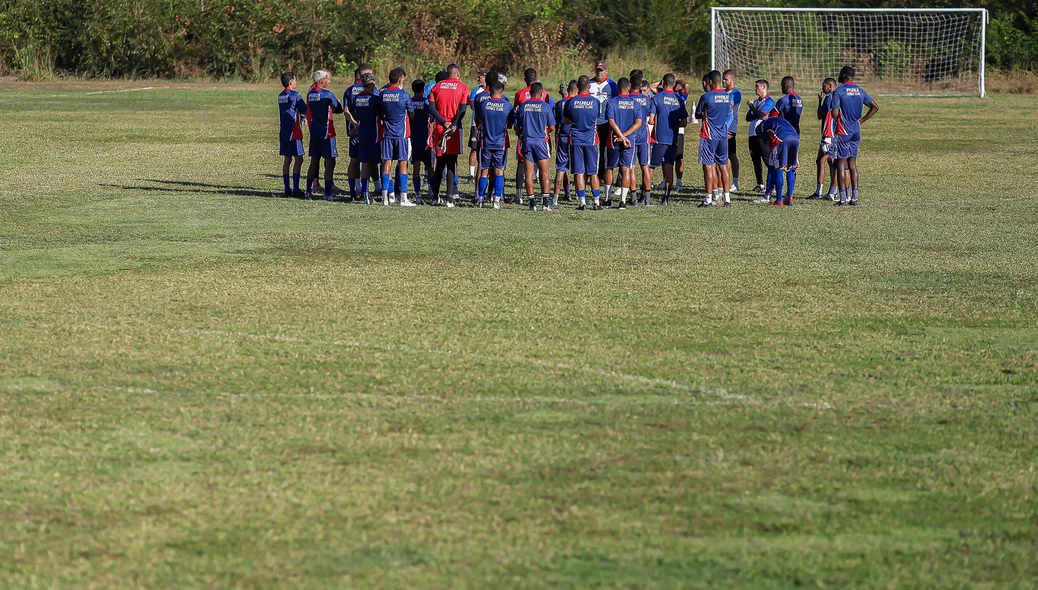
{"x":180,"y":186}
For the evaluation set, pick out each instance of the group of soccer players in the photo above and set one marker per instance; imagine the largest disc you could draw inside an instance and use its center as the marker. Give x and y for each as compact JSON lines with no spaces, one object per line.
{"x":601,"y":132}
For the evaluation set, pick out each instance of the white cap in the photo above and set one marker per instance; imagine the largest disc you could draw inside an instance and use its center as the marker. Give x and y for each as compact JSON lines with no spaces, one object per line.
{"x":321,"y":75}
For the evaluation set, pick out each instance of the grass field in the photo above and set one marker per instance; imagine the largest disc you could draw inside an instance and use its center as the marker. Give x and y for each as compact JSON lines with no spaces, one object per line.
{"x":202,"y":386}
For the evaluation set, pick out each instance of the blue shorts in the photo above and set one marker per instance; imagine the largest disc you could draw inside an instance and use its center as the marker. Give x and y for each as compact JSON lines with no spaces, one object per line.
{"x":536,"y":149}
{"x":713,"y":151}
{"x":612,"y":157}
{"x":663,"y":154}
{"x":562,"y":156}
{"x":354,"y":146}
{"x":292,"y":147}
{"x":782,"y":155}
{"x":827,"y":149}
{"x":489,"y":158}
{"x":583,"y":159}
{"x":368,"y":152}
{"x":421,"y":155}
{"x":323,"y":148}
{"x":642,"y":152}
{"x":624,"y":156}
{"x":396,"y":148}
{"x":847,"y":145}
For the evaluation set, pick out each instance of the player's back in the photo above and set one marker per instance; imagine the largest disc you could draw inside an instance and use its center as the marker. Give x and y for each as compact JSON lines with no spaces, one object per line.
{"x":477,"y":106}
{"x":715,"y":108}
{"x":420,"y":121}
{"x":448,"y":96}
{"x":494,"y":120}
{"x":534,"y":117}
{"x":851,"y":100}
{"x":322,"y":105}
{"x":736,"y":98}
{"x":670,"y":110}
{"x":583,"y":112}
{"x":394,"y":105}
{"x":289,"y":105}
{"x":646,"y":107}
{"x":365,"y":111}
{"x":560,"y":113}
{"x":780,"y":128}
{"x":790,"y":107}
{"x":623,"y":110}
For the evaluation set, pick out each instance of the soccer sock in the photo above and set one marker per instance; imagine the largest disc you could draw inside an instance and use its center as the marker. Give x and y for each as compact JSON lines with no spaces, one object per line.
{"x":309,"y":184}
{"x":770,"y":184}
{"x":452,"y":182}
{"x":833,"y":190}
{"x":735,"y":182}
{"x":472,"y":170}
{"x":545,"y":199}
{"x":791,"y":180}
{"x":565,"y":185}
{"x":499,"y":186}
{"x":779,"y":176}
{"x":353,"y":186}
{"x":295,"y":182}
{"x":597,"y":194}
{"x":285,"y":178}
{"x":843,"y":195}
{"x":364,"y":186}
{"x":582,"y":195}
{"x":854,"y":194}
{"x":481,"y":189}
{"x":818,"y":191}
{"x":418,"y":186}
{"x":623,"y":194}
{"x":727,"y":197}
{"x":608,"y":190}
{"x":666,"y":193}
{"x":387,"y":186}
{"x":402,"y":179}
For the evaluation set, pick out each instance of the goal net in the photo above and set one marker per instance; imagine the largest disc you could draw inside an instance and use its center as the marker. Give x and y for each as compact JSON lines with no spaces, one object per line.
{"x":920,"y":51}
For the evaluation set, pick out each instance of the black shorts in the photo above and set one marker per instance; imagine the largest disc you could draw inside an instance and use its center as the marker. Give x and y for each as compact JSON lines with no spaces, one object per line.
{"x":731,"y":146}
{"x":680,"y":145}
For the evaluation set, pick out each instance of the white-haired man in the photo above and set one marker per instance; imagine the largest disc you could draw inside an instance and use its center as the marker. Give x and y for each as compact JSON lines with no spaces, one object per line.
{"x":322,"y":105}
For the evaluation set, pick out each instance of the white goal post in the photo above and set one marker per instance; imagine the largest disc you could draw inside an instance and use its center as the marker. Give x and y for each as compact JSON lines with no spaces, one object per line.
{"x":901,"y":51}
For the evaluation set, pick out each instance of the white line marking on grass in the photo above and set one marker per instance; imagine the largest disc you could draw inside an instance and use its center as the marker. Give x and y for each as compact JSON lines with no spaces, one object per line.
{"x":123,"y":90}
{"x":718,"y":392}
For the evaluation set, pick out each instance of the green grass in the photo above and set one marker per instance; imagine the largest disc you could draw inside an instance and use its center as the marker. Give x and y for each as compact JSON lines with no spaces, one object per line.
{"x":201,"y":386}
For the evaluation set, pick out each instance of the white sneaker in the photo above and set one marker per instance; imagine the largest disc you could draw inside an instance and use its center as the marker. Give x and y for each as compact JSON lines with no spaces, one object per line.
{"x":406,"y":203}
{"x":763,"y":200}
{"x":735,"y":188}
{"x":759,"y":188}
{"x":385,"y":202}
{"x":497,"y":203}
{"x":617,"y":192}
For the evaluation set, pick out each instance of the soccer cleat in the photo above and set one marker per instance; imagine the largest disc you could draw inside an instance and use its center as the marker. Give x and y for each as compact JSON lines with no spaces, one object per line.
{"x":309,"y":196}
{"x":662,"y":185}
{"x":367,"y":199}
{"x":450,"y":202}
{"x":298,"y":194}
{"x":830,"y":197}
{"x":608,"y":204}
{"x":617,"y":192}
{"x":392,"y":200}
{"x":727,"y":203}
{"x":555,"y":201}
{"x":533,"y":206}
{"x":597,"y":207}
{"x":581,"y":207}
{"x":764,"y":200}
{"x":678,"y":186}
{"x":546,"y":208}
{"x":406,"y":203}
{"x":788,"y":202}
{"x":777,"y":203}
{"x":842,"y":203}
{"x":332,"y":198}
{"x":623,"y":206}
{"x":497,"y":204}
{"x":735,"y":188}
{"x":665,"y":201}
{"x":854,"y":202}
{"x":705,"y":204}
{"x":479,"y":203}
{"x":385,"y":202}
{"x":759,"y":188}
{"x":815,"y":197}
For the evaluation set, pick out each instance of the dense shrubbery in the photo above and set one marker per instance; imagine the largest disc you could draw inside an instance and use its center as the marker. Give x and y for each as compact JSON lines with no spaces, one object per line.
{"x":254,"y":39}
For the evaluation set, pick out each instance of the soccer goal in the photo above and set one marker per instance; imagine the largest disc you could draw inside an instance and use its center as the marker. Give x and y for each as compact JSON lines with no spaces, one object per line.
{"x":895,"y":51}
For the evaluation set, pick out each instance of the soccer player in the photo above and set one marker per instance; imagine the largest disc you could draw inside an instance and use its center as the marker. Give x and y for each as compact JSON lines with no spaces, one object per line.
{"x":782,"y":145}
{"x":602,"y":89}
{"x":728,"y":80}
{"x":671,"y":115}
{"x":365,"y":112}
{"x":394,"y":108}
{"x":826,"y":158}
{"x":291,"y":105}
{"x":715,"y":110}
{"x":534,"y":122}
{"x":790,"y":106}
{"x":447,"y":103}
{"x":495,"y":116}
{"x":848,"y":101}
{"x":420,"y":152}
{"x":682,"y":90}
{"x":353,"y":171}
{"x":756,"y":111}
{"x":582,"y":113}
{"x":484,"y":179}
{"x":624,"y":116}
{"x":562,"y":134}
{"x":481,"y":87}
{"x":530,"y":77}
{"x":322,"y":106}
{"x":647,"y":108}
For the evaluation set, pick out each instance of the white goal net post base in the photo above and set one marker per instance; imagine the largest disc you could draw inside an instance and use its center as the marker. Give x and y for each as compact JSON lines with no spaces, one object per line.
{"x":921,"y":51}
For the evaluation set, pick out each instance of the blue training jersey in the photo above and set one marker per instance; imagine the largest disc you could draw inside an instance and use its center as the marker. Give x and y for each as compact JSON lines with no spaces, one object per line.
{"x":715,"y":110}
{"x":777,"y":130}
{"x":365,"y":110}
{"x":291,"y":106}
{"x":757,"y":107}
{"x":419,"y":122}
{"x":624,"y":111}
{"x":322,"y":105}
{"x":670,"y":111}
{"x":533,"y":118}
{"x":394,"y":106}
{"x":736,"y":96}
{"x":479,"y":99}
{"x":646,"y":107}
{"x":495,"y":118}
{"x":350,"y":93}
{"x":790,"y":107}
{"x":851,"y":100}
{"x":582,"y":111}
{"x":562,"y":128}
